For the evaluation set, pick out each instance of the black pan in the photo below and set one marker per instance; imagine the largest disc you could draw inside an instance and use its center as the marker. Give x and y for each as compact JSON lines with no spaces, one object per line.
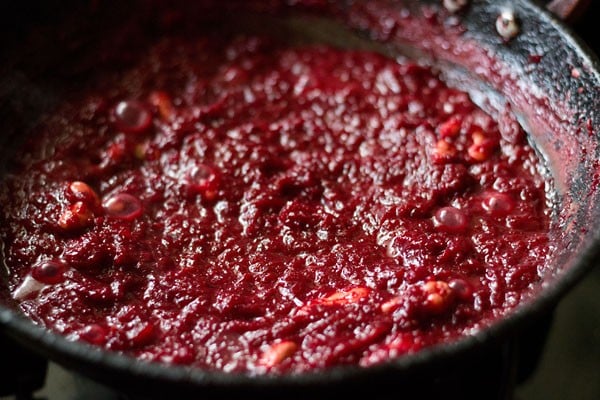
{"x":550,"y":78}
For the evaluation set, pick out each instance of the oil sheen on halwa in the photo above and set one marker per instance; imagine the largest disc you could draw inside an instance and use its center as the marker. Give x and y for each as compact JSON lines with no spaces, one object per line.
{"x":237,"y":205}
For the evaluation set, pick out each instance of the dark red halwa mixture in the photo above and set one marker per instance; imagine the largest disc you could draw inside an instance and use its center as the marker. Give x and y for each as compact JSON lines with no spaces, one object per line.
{"x":237,"y":205}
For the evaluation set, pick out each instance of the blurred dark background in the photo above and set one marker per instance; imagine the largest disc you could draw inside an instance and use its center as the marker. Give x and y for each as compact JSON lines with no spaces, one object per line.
{"x":570,"y":365}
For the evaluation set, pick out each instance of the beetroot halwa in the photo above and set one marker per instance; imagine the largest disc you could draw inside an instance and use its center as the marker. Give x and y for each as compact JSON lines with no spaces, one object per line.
{"x":239,"y":205}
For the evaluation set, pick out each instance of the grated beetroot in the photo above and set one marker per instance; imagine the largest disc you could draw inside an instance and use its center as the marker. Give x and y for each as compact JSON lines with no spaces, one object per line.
{"x":239,"y":205}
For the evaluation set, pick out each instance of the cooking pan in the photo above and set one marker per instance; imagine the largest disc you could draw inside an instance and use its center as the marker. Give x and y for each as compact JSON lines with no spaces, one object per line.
{"x":514,"y":52}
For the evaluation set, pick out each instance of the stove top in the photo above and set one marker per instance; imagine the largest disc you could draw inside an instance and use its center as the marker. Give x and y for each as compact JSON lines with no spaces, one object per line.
{"x":569,"y":368}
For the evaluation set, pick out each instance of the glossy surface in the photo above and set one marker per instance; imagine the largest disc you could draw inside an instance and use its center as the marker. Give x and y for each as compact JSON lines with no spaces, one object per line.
{"x":284,"y":209}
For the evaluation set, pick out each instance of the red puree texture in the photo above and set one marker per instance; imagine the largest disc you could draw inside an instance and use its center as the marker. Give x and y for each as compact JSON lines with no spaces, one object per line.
{"x":237,"y":205}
